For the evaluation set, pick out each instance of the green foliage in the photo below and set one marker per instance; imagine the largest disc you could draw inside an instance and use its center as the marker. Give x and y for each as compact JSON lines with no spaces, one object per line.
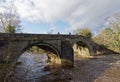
{"x":110,"y":36}
{"x":104,"y":37}
{"x":10,"y":29}
{"x":84,"y":32}
{"x":116,"y":42}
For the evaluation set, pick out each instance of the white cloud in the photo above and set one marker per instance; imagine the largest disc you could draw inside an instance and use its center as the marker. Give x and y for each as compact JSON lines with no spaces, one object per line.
{"x":52,"y":29}
{"x":77,"y":13}
{"x":45,"y":10}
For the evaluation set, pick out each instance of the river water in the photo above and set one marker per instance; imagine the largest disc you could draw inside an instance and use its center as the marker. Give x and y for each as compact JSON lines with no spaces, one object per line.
{"x":31,"y":67}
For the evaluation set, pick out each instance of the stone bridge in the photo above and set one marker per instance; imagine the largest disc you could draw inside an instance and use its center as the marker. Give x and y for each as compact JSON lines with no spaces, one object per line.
{"x":13,"y":45}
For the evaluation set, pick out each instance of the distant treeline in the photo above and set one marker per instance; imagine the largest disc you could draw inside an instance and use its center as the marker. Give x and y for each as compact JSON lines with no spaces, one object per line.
{"x":108,"y":37}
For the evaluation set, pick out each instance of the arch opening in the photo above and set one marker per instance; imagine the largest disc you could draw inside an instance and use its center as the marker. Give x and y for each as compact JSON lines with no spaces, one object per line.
{"x":81,"y":50}
{"x":51,"y":51}
{"x":35,"y":58}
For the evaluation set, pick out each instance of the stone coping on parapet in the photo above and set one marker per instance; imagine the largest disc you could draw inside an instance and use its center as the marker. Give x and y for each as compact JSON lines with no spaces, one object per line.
{"x":26,"y":36}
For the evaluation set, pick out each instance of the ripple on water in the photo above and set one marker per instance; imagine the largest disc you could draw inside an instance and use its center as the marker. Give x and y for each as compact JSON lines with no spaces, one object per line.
{"x":31,"y":66}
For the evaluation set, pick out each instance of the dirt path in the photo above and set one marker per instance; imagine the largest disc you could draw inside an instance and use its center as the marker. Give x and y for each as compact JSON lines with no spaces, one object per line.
{"x":103,"y":69}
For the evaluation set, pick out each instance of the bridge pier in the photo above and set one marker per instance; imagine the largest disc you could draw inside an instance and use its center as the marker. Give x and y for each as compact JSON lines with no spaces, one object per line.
{"x":67,"y":54}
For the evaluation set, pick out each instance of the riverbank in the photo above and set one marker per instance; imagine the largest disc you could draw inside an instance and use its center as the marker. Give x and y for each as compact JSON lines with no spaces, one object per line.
{"x":104,"y":68}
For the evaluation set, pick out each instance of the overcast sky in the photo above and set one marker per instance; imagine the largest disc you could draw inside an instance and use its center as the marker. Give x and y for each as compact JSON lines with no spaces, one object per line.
{"x":64,"y":16}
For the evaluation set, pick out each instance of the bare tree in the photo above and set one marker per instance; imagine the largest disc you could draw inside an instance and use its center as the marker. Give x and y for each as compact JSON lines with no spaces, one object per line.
{"x":9,"y":19}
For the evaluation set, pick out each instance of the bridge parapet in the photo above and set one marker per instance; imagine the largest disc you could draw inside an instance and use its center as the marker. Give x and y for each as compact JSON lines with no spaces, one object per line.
{"x":24,"y":36}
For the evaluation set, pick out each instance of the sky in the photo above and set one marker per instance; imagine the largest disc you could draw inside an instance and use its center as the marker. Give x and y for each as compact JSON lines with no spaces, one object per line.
{"x":63,"y":16}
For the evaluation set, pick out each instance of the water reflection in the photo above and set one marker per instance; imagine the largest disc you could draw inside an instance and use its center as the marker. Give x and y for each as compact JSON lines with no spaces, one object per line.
{"x":31,"y":67}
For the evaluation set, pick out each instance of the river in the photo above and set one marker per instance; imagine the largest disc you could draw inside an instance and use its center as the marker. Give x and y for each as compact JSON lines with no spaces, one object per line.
{"x":31,"y":67}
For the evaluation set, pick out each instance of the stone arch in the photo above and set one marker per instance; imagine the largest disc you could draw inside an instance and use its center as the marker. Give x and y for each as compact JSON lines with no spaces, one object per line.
{"x":81,"y":49}
{"x":52,"y":52}
{"x":43,"y":45}
{"x":86,"y":43}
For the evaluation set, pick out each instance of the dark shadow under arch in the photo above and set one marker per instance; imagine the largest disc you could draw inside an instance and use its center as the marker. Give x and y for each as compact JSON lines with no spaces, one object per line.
{"x":44,"y":46}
